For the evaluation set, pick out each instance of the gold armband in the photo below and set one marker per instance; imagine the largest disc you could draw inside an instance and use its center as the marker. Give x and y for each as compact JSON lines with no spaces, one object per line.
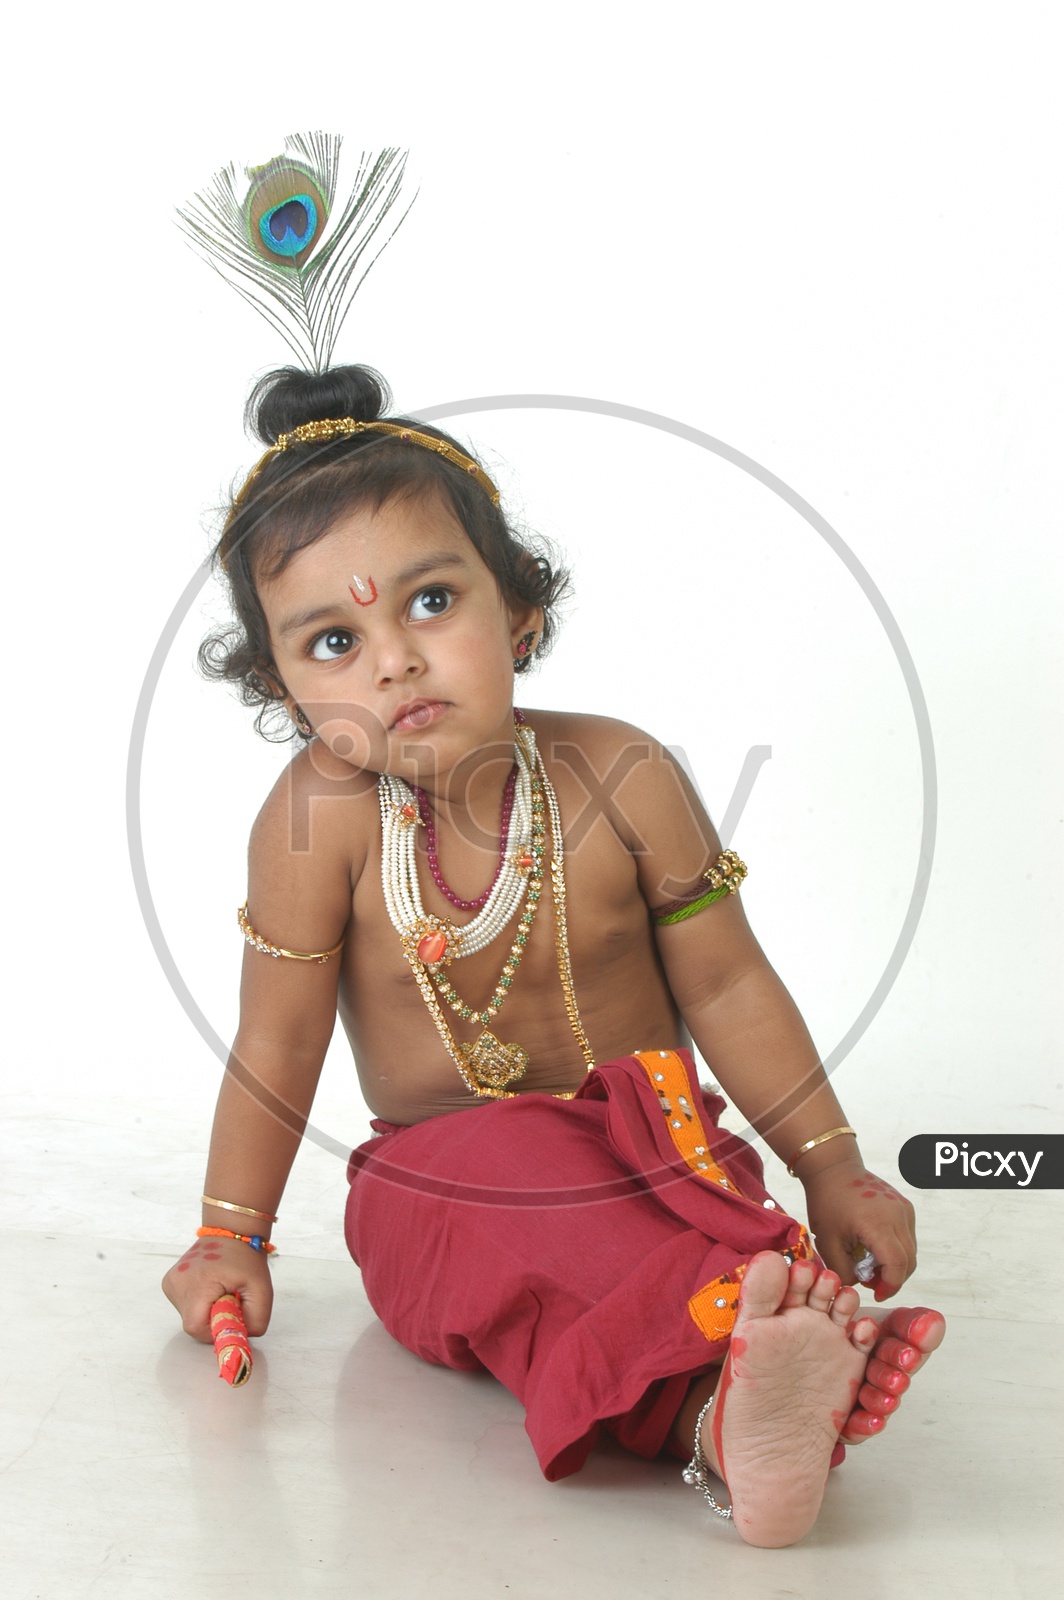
{"x":256,"y":939}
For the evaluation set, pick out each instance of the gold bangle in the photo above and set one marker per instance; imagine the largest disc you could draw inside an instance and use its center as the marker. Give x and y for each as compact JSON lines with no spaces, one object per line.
{"x":227,"y":1205}
{"x":832,"y":1133}
{"x":256,"y":939}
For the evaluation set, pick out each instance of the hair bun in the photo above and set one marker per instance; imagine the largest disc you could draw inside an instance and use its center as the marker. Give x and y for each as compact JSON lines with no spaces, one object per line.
{"x":288,"y":397}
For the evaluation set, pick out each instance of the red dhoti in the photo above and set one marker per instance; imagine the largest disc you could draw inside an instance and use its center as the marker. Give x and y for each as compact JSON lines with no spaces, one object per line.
{"x":587,"y":1252}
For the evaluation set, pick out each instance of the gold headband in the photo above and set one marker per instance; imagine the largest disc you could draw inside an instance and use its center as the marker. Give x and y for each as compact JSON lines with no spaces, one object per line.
{"x":344,"y":427}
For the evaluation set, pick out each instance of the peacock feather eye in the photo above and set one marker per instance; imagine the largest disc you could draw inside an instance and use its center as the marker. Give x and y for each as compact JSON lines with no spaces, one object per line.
{"x":285,"y":211}
{"x":268,"y":239}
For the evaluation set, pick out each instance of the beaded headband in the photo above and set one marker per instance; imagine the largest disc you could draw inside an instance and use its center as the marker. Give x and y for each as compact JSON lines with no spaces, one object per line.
{"x":344,"y":428}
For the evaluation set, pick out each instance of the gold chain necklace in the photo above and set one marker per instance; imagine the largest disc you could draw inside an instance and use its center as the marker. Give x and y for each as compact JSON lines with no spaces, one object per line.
{"x":533,"y":864}
{"x":488,"y":1066}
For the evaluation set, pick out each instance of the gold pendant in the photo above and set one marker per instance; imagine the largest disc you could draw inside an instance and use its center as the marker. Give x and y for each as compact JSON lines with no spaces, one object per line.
{"x":493,"y":1064}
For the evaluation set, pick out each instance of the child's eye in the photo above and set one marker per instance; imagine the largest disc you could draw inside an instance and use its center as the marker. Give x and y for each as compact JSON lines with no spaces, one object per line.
{"x":327,"y":646}
{"x":432,"y":602}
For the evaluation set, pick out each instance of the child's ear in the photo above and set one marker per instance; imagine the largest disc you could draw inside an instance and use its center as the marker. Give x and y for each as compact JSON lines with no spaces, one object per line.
{"x":273,"y":686}
{"x":526,"y":626}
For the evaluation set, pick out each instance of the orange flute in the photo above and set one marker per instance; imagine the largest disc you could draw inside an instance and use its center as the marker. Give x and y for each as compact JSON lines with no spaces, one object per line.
{"x":230,"y":1340}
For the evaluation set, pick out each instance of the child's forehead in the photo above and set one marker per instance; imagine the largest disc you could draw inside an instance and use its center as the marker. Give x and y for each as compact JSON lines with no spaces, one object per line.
{"x":401,"y":526}
{"x":386,"y":542}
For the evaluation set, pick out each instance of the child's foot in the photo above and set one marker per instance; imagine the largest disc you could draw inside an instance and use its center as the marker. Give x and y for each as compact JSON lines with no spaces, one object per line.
{"x":905,"y":1337}
{"x":791,"y":1378}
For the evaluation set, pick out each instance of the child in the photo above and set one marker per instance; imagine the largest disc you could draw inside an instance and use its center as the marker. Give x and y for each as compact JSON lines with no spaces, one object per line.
{"x":520,"y":970}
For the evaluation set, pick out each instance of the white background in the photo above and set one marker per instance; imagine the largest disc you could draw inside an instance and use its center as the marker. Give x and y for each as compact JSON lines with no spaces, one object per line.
{"x":826,"y":235}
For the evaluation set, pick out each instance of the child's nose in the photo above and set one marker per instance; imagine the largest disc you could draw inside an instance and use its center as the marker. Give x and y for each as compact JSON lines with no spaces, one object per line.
{"x":395,"y":656}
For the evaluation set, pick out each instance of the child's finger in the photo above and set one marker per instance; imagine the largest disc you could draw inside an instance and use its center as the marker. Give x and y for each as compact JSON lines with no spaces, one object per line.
{"x":836,"y":1257}
{"x":257,"y":1303}
{"x":896,"y":1261}
{"x":196,"y":1315}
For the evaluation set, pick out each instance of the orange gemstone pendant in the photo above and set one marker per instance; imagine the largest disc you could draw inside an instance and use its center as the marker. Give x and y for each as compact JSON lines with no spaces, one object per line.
{"x":433,"y":947}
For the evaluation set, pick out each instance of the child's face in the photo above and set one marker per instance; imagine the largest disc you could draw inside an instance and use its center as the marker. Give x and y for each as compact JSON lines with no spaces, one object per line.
{"x":394,"y":611}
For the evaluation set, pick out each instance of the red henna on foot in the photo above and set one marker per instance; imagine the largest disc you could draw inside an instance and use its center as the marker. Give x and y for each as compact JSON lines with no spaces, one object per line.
{"x":908,"y":1335}
{"x":889,"y":1379}
{"x":789,"y":1381}
{"x":896,"y":1353}
{"x":876,"y":1401}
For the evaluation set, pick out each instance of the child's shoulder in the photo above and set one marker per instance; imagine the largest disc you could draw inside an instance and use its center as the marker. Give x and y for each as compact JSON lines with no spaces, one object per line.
{"x":319,"y":816}
{"x":628,"y":773}
{"x":594,"y":734}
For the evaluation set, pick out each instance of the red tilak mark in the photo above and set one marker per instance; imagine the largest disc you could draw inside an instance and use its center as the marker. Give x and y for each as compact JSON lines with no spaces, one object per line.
{"x":356,"y":581}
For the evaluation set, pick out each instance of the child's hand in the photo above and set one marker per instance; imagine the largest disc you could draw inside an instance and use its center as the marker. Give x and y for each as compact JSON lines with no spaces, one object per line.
{"x":849,"y":1206}
{"x":213,"y":1267}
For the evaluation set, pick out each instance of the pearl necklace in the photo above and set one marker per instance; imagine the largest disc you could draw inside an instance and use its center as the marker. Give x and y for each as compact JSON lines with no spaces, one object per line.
{"x":437,"y":938}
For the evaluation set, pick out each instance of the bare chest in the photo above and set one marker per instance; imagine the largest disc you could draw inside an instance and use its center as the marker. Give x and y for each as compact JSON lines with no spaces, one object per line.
{"x":592,"y":958}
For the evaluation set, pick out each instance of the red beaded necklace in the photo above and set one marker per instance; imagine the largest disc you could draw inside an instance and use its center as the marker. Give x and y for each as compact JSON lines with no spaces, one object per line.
{"x":430,"y":838}
{"x":434,"y":861}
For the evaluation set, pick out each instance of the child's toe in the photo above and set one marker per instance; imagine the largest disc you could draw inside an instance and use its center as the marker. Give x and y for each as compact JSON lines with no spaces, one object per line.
{"x":825,"y":1287}
{"x":844,"y":1305}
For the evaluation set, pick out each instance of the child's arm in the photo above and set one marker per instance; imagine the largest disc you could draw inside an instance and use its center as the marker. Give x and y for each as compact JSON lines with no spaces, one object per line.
{"x":749,"y":1030}
{"x":300,"y":900}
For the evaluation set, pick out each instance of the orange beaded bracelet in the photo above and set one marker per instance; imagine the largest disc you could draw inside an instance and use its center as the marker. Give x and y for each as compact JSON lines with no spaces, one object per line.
{"x":256,"y":1241}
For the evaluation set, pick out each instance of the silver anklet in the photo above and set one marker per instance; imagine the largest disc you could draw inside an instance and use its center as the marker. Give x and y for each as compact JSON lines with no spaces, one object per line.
{"x":697,"y":1470}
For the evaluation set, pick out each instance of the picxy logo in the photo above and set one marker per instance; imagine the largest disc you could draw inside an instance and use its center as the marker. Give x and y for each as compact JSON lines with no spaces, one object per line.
{"x":983,"y":1161}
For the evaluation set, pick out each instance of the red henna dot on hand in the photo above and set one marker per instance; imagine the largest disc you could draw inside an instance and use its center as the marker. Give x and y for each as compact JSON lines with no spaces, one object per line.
{"x":183,"y":1266}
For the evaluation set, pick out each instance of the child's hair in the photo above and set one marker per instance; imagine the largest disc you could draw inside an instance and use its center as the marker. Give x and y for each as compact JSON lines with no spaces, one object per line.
{"x":300,"y":493}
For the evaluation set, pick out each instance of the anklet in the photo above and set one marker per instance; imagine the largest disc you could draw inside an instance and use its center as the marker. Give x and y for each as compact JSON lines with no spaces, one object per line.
{"x":697,"y":1471}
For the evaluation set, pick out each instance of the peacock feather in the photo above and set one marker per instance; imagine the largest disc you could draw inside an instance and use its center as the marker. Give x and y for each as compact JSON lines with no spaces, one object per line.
{"x":274,"y":245}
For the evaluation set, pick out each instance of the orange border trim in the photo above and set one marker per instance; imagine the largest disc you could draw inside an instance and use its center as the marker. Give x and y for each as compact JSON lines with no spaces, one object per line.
{"x":668,"y":1079}
{"x":714,"y":1307}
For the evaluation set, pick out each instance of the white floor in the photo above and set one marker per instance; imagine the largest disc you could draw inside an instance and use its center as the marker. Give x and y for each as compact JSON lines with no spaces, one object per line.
{"x":347,"y":1467}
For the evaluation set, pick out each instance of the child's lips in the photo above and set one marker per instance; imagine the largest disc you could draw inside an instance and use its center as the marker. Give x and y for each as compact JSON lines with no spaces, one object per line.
{"x":419,"y":715}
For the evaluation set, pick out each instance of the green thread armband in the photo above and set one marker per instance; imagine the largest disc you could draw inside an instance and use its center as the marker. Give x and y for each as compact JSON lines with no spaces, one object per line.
{"x":725,"y":876}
